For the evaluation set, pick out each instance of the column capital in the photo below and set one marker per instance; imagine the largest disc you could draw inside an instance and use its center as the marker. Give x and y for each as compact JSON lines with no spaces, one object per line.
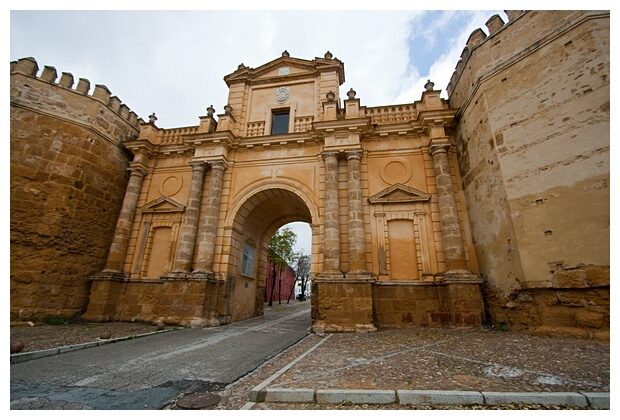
{"x":198,"y":166}
{"x":138,"y":170}
{"x":330,"y":153}
{"x":440,"y":146}
{"x":354,"y":154}
{"x":218,"y":164}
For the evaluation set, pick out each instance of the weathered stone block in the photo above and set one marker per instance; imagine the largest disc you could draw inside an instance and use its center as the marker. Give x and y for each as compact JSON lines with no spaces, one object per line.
{"x":570,"y":279}
{"x":571,"y":298}
{"x":597,"y":276}
{"x":589,"y":319}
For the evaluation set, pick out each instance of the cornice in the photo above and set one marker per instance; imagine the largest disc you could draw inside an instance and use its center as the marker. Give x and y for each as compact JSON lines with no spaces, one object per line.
{"x":362,"y":123}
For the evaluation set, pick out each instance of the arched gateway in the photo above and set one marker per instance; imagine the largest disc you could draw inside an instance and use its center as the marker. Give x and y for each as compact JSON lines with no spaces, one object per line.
{"x":379,"y":186}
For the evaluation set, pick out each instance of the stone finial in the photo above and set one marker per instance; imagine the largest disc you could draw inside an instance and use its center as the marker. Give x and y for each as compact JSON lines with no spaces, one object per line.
{"x":241,"y":66}
{"x":351,"y":93}
{"x":210,"y":111}
{"x":328,"y":55}
{"x":285,"y":54}
{"x":429,"y":85}
{"x":152,"y":118}
{"x":330,"y":96}
{"x":228,"y":109}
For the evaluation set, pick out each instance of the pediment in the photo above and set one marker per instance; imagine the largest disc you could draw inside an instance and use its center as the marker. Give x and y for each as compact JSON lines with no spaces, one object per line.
{"x":163,"y":205}
{"x":399,"y":193}
{"x":296,"y":68}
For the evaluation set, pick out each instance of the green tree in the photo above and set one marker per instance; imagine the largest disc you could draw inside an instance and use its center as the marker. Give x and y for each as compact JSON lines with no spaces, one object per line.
{"x":281,"y":252}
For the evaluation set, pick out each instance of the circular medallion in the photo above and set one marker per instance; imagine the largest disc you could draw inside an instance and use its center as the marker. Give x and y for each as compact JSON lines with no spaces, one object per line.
{"x":398,"y":171}
{"x":171,"y":186}
{"x":282,"y":94}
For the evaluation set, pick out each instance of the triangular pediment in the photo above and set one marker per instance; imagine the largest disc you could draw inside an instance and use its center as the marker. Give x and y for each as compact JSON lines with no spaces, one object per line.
{"x":283,"y":68}
{"x":163,"y":205}
{"x":399,"y":193}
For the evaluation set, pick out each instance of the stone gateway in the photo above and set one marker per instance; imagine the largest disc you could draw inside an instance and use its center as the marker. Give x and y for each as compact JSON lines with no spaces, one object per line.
{"x":437,"y":213}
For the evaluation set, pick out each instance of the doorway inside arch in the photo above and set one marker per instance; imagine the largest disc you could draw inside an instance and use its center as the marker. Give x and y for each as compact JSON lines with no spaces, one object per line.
{"x":255,"y":223}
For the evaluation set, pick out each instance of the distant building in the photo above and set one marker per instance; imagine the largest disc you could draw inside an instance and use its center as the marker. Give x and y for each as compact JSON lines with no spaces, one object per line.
{"x":299,"y":291}
{"x":279,"y":283}
{"x":489,"y":207}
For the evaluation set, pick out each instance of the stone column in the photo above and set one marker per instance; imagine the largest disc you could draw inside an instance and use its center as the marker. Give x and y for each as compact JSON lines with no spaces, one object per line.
{"x":357,"y":243}
{"x":331,"y":243}
{"x":448,"y":212}
{"x":116,"y":256}
{"x":189,"y":227}
{"x":208,"y":235}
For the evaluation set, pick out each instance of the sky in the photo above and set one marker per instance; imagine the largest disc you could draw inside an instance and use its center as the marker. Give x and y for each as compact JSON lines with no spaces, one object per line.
{"x":172,"y":62}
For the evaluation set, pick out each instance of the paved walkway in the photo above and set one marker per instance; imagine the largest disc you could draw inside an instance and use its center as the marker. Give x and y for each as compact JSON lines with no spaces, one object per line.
{"x":442,"y":367}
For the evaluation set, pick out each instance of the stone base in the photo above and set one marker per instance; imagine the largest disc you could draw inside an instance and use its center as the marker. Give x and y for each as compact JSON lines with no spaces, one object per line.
{"x":342,"y":304}
{"x":445,"y":303}
{"x":361,"y":303}
{"x":180,"y":299}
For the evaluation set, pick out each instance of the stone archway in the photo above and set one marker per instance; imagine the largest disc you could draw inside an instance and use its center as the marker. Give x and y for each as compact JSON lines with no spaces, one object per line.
{"x":257,"y":215}
{"x":379,"y":186}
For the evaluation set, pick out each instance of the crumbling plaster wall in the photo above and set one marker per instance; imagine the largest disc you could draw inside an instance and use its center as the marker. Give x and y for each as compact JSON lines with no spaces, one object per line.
{"x":533,"y":141}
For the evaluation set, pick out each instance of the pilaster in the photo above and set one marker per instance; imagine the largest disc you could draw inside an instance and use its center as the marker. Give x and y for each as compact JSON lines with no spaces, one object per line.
{"x":357,"y":243}
{"x":456,"y":264}
{"x":208,"y":235}
{"x":189,"y":226}
{"x":118,"y":248}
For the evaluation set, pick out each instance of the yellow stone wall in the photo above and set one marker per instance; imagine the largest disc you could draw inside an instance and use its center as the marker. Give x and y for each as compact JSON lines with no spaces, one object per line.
{"x":534,"y":143}
{"x":64,"y":197}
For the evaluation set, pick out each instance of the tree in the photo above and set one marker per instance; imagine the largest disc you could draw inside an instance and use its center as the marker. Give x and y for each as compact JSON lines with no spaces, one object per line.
{"x":281,"y":252}
{"x":302,"y":271}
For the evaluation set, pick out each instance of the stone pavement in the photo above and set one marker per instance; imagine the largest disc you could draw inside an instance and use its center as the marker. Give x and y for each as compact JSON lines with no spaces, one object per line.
{"x":439,"y":367}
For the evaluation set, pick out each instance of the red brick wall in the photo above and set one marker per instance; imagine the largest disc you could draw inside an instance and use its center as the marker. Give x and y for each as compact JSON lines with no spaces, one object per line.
{"x":284,"y":283}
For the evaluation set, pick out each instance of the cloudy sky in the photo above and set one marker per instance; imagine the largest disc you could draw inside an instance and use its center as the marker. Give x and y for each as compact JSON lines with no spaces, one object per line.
{"x":172,"y":62}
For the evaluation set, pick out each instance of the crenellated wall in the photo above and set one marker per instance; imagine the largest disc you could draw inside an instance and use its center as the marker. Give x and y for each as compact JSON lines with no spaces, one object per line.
{"x":533,"y":138}
{"x":67,"y":179}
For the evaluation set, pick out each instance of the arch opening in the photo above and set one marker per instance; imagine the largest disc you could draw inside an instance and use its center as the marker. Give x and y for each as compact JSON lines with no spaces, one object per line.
{"x":256,"y":221}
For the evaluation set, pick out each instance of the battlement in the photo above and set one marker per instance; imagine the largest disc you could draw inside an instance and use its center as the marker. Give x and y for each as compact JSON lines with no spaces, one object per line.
{"x":478,"y":37}
{"x":28,"y":67}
